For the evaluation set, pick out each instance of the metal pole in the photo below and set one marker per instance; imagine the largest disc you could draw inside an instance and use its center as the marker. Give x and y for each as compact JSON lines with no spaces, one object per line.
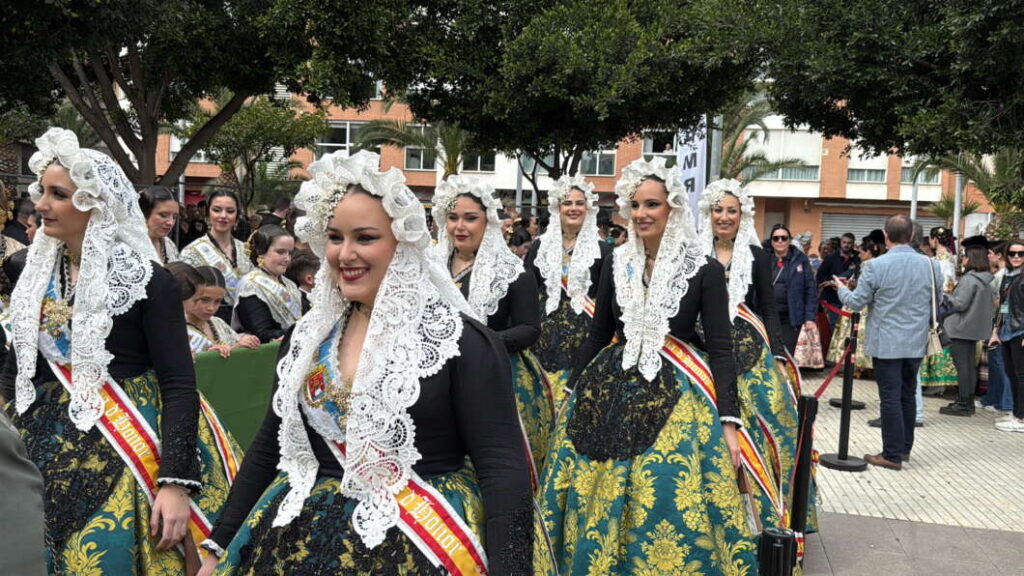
{"x":958,"y":202}
{"x":843,"y":461}
{"x":519,"y":183}
{"x":913,"y":197}
{"x":715,"y":157}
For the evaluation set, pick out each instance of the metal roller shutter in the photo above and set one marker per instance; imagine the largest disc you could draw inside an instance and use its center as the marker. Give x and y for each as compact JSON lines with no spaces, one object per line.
{"x":861,"y":225}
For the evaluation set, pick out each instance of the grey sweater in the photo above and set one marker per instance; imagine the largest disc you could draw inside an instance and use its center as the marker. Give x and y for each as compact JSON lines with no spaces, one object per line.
{"x":973,"y":307}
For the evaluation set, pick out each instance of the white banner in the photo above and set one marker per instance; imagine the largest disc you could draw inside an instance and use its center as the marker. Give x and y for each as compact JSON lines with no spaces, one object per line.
{"x":691,"y":156}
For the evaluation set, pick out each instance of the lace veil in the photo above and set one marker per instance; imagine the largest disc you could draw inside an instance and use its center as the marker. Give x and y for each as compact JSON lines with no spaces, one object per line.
{"x":117,"y":263}
{"x":584,"y":254}
{"x":496,"y":267}
{"x":741,"y":269}
{"x":648,"y":306}
{"x":414,"y":329}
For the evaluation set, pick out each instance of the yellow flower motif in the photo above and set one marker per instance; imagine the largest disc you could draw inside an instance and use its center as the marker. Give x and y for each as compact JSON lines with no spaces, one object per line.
{"x":664,"y":550}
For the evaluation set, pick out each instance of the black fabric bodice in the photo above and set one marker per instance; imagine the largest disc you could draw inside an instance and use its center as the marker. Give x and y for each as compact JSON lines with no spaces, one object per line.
{"x":517,"y":320}
{"x":256,"y":319}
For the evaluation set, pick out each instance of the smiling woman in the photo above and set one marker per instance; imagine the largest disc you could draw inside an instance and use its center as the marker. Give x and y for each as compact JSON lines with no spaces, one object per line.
{"x":268,"y":301}
{"x":160,"y":209}
{"x":219,"y":249}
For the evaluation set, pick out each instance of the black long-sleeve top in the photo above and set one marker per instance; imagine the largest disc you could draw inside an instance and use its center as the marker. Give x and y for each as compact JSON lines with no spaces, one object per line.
{"x":256,"y":319}
{"x":761,"y":299}
{"x":517,"y":320}
{"x":151,"y":335}
{"x":707,"y":297}
{"x":595,"y":270}
{"x":467,"y":408}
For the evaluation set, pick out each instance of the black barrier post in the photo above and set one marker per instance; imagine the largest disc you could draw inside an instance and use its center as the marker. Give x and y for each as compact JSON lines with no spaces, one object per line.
{"x":854,"y":329}
{"x":843,"y":461}
{"x":808,"y":411}
{"x":776,"y":552}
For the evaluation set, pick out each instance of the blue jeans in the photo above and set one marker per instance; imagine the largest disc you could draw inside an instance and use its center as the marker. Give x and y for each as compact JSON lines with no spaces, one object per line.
{"x":998,"y":393}
{"x":897,"y":388}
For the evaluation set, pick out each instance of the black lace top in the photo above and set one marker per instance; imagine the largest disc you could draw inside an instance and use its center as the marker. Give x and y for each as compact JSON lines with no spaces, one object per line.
{"x":517,"y":320}
{"x":466,"y":409}
{"x":151,"y":335}
{"x":707,"y":299}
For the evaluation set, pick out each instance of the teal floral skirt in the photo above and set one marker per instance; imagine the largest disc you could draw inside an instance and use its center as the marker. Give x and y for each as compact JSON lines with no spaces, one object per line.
{"x":536,"y":403}
{"x":97,"y":516}
{"x":938,"y":370}
{"x":562,"y":334}
{"x":639,"y":479}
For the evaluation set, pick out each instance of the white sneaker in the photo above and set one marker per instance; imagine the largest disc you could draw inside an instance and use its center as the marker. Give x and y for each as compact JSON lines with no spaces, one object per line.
{"x":1005,"y":417}
{"x":991,"y":408}
{"x":1012,"y":425}
{"x":978,"y":404}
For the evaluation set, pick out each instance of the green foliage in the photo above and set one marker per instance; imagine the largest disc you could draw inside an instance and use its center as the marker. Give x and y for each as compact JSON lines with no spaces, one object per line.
{"x":946,"y":205}
{"x":743,"y":124}
{"x":560,"y":78}
{"x":915,"y":76}
{"x":449,"y":140}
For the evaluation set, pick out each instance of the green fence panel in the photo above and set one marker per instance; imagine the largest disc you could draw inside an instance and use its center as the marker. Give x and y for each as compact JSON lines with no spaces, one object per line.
{"x":239,"y":387}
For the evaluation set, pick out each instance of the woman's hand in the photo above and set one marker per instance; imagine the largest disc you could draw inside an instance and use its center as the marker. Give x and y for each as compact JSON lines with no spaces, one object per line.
{"x":810,"y":325}
{"x":209,"y":564}
{"x":248,"y":341}
{"x":223,"y":349}
{"x":732,"y":440}
{"x":170,"y":510}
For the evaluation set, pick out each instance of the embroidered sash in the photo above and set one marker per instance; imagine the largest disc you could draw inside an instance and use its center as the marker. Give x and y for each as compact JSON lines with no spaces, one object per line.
{"x":743,"y":311}
{"x":685,"y":358}
{"x":214,"y":257}
{"x":283,"y":298}
{"x":198,"y":341}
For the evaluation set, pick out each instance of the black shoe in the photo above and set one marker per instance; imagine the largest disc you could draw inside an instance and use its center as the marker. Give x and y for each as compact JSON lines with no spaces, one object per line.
{"x":956,"y":409}
{"x":876,"y":423}
{"x":918,"y":424}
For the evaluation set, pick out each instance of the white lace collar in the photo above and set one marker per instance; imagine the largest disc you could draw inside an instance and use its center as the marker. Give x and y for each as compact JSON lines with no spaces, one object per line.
{"x":741,"y":268}
{"x":495,"y":267}
{"x":117,"y":263}
{"x":647,"y":310}
{"x":414,"y":329}
{"x":584,"y":254}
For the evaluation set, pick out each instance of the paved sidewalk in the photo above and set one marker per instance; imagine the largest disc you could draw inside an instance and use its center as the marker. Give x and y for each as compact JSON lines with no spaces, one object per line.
{"x":956,"y":508}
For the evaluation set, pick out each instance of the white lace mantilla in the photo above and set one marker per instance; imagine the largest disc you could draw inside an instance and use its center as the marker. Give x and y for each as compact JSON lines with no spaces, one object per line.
{"x":414,"y":330}
{"x":496,"y":266}
{"x":646,"y":311}
{"x":741,"y":268}
{"x":586,"y":251}
{"x":117,"y":264}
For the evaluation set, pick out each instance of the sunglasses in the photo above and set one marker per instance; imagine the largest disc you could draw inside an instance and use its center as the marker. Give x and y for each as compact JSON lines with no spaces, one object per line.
{"x":780,"y":238}
{"x":1015,"y":253}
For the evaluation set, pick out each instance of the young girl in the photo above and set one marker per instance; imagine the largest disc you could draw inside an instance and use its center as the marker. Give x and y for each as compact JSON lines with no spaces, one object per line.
{"x":202,"y":290}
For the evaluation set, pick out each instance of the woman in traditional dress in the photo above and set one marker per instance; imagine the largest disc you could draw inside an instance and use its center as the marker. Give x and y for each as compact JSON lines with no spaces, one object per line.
{"x":767,"y":402}
{"x":869,"y":249}
{"x":938,"y":371}
{"x":100,"y":373}
{"x":389,"y":396}
{"x":202,"y":290}
{"x":160,"y":209}
{"x":566,"y":263}
{"x":218,"y":248}
{"x":641,"y":477}
{"x":500,"y":291}
{"x":268,"y":301}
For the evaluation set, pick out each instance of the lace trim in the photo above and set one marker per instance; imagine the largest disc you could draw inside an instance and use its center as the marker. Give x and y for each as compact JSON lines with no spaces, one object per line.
{"x":192,"y":485}
{"x":731,"y":419}
{"x":212,"y":547}
{"x":283,"y":298}
{"x":741,"y":267}
{"x":584,"y":254}
{"x":116,"y":267}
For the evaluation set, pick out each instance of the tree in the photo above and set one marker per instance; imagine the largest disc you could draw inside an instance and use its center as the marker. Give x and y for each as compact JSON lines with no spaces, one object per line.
{"x":130,"y":67}
{"x":557,"y":79}
{"x":263,"y":134}
{"x":911,"y":76}
{"x":743,"y":124}
{"x":448,"y":139}
{"x":945,"y":207}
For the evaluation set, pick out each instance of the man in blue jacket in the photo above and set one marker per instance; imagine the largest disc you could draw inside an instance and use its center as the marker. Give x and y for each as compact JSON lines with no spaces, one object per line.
{"x":897,"y":287}
{"x":842,"y":264}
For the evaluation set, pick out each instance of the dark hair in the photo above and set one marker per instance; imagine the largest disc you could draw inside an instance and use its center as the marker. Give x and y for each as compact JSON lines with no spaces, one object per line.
{"x":918,"y":237}
{"x":977,"y":258}
{"x":282,"y":203}
{"x":222,"y":193}
{"x":478,"y":201}
{"x":211,"y":277}
{"x":850,"y":236}
{"x":38,"y":218}
{"x":262,"y":239}
{"x":1006,"y":252}
{"x":780,"y":226}
{"x":150,"y":197}
{"x":899,"y":228}
{"x":24,"y":206}
{"x":303,"y":262}
{"x":189,"y":279}
{"x":869,"y":245}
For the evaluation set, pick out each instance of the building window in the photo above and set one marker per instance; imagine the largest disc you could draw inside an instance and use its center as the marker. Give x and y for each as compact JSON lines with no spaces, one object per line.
{"x":925,"y":177}
{"x":417,"y":158}
{"x":600,"y":163}
{"x":797,"y":173}
{"x":482,"y":162}
{"x":176,"y":144}
{"x":870,"y":175}
{"x":663,"y":144}
{"x":340,"y":136}
{"x":530,"y":165}
{"x":378,"y":90}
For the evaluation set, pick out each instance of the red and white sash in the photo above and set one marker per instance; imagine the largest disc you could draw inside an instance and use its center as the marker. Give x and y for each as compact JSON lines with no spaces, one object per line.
{"x":430,"y":522}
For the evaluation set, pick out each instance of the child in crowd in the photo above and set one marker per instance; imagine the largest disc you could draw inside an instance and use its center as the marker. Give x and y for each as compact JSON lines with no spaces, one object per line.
{"x":202,"y":290}
{"x":302,"y":270}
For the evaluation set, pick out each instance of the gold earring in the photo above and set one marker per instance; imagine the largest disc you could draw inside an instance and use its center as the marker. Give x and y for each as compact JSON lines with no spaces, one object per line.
{"x":261,"y":260}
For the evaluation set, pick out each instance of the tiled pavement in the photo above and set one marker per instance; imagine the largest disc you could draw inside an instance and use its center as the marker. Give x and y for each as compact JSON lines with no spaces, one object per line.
{"x":956,"y":508}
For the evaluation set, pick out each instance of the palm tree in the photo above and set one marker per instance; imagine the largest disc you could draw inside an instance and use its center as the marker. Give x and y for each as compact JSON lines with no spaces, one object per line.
{"x":944,"y":208}
{"x":449,"y":140}
{"x":743,"y":124}
{"x":999,"y":176}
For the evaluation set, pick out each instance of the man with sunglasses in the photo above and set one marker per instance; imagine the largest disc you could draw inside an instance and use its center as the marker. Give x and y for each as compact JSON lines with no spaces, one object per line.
{"x":842,"y":264}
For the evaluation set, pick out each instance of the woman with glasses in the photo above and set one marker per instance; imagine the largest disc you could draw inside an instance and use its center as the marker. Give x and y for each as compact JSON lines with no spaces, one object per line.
{"x":796,"y":297}
{"x":1009,"y":332}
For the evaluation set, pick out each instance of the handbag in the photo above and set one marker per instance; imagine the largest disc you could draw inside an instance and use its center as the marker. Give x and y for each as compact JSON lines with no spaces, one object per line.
{"x":808,"y":349}
{"x":937,"y":338}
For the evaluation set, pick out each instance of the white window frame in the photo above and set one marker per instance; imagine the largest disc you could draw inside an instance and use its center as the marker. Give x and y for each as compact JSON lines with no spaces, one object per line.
{"x":927,"y":179}
{"x":479,"y":161}
{"x":647,"y":148}
{"x":405,"y":154}
{"x":320,"y":148}
{"x":598,"y":154}
{"x":865,"y":171}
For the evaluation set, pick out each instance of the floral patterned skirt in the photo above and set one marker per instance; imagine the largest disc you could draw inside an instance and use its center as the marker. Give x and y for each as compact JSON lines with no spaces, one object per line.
{"x":536,"y":403}
{"x":639,"y":479}
{"x":97,"y":516}
{"x":562,"y":334}
{"x":838,"y":345}
{"x":938,"y":370}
